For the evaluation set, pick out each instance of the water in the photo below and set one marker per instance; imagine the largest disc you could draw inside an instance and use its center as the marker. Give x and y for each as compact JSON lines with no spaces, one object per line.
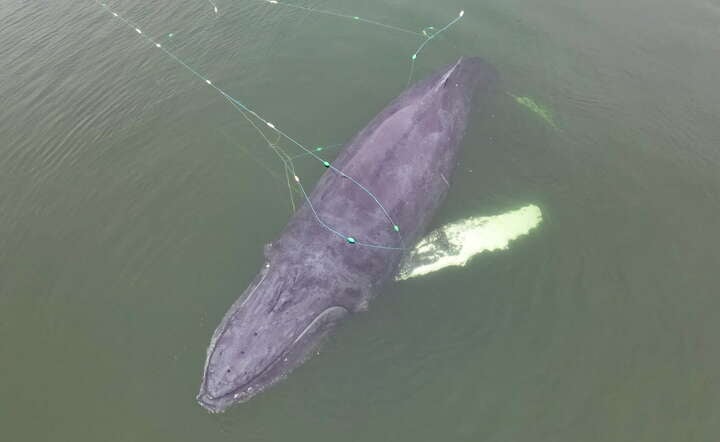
{"x":134,"y":204}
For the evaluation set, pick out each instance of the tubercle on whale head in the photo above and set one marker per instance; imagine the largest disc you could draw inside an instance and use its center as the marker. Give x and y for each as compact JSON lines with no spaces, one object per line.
{"x":300,"y":349}
{"x":262,"y":338}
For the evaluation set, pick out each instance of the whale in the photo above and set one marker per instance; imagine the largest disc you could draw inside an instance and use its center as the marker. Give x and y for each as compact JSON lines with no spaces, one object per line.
{"x":367,"y":210}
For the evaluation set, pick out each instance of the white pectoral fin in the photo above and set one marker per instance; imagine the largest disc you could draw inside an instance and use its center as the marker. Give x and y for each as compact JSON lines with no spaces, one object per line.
{"x":455,"y":244}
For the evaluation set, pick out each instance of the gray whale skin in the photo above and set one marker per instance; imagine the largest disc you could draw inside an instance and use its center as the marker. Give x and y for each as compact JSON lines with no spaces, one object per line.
{"x":313,"y":278}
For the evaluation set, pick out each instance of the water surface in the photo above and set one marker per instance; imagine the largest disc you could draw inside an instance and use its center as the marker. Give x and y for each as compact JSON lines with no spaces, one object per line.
{"x":134,"y":204}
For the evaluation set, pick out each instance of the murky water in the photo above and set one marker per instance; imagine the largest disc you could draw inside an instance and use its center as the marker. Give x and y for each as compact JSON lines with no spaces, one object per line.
{"x":134,"y":204}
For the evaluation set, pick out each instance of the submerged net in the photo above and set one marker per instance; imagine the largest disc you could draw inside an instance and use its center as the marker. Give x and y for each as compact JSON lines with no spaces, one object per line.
{"x":271,"y":132}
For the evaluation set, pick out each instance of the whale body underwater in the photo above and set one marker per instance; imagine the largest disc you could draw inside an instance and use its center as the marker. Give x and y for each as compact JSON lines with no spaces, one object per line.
{"x":366,"y":211}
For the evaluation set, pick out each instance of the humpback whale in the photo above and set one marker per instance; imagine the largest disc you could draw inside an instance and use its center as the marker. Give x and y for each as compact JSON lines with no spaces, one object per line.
{"x":365,"y":213}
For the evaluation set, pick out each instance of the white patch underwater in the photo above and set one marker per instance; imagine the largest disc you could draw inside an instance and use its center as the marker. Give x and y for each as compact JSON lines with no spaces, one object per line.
{"x":455,"y":244}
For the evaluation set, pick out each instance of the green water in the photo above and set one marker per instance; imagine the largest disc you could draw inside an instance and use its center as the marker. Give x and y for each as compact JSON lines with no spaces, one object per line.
{"x":134,"y":205}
